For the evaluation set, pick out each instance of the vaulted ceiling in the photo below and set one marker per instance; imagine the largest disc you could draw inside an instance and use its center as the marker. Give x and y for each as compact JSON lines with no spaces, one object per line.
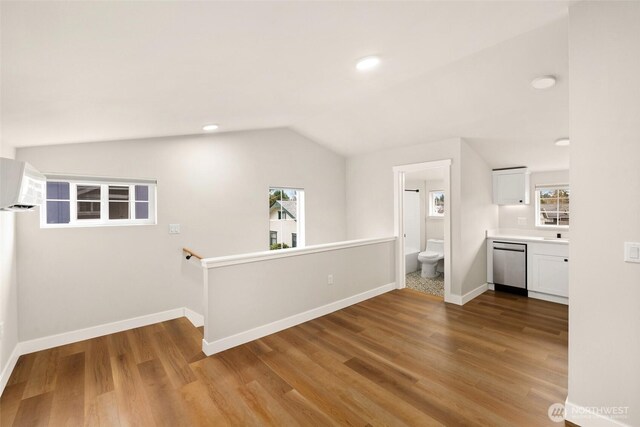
{"x":93,"y":71}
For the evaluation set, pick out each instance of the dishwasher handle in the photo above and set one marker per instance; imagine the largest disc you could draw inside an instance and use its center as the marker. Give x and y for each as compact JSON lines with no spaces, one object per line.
{"x":513,"y":247}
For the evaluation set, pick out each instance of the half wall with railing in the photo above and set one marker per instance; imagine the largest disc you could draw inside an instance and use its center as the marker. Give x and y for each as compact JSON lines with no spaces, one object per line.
{"x":249,"y":296}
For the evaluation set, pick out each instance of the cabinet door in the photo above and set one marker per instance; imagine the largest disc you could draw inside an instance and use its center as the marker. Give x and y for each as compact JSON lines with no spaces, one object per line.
{"x":550,"y":275}
{"x":510,"y":189}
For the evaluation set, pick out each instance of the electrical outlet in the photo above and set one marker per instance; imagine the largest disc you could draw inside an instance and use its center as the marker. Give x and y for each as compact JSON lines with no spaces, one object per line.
{"x":522,"y":220}
{"x":330,"y":279}
{"x":174,"y":228}
{"x":1,"y":330}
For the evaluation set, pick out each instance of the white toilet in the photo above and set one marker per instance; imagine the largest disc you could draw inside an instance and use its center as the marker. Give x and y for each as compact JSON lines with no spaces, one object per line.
{"x":430,"y":257}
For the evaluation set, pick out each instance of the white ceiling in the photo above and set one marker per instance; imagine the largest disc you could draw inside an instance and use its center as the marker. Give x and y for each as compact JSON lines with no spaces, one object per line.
{"x":91,"y":71}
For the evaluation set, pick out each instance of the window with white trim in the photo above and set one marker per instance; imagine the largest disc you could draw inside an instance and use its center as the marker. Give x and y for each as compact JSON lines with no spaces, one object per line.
{"x":94,"y":202}
{"x":286,"y":218}
{"x":552,"y":206}
{"x":436,"y":204}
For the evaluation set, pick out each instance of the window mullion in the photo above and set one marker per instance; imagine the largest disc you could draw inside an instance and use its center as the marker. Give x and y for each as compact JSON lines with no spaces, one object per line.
{"x":73,"y":200}
{"x":132,"y":203}
{"x":104,"y":203}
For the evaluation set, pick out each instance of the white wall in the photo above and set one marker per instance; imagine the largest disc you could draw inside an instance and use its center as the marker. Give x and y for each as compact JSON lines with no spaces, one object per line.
{"x":604,"y":315}
{"x":215,"y":186}
{"x":478,"y":214}
{"x":370,"y":202}
{"x":370,"y":190}
{"x":243,"y":297}
{"x":8,"y":282}
{"x":509,"y":214}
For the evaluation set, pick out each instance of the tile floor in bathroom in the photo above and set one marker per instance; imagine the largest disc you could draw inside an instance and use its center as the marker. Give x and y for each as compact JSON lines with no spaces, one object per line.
{"x":432,"y":286}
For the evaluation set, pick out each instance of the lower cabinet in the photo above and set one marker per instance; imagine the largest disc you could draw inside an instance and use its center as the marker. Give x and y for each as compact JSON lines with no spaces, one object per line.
{"x":548,"y":269}
{"x":549,"y":274}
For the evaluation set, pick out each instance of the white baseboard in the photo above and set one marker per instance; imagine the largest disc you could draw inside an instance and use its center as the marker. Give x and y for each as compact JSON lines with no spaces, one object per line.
{"x":196,"y":318}
{"x":539,"y":295}
{"x":8,"y":368}
{"x":547,"y":297}
{"x":226,"y":343}
{"x":38,"y":344}
{"x":582,"y":416}
{"x":462,"y":300}
{"x":51,"y":341}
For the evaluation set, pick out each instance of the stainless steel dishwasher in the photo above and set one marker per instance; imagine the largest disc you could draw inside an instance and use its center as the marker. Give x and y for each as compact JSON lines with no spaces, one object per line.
{"x":510,"y":267}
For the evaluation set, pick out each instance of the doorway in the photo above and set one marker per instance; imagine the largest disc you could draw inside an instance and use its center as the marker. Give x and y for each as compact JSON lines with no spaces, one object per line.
{"x":423,"y":223}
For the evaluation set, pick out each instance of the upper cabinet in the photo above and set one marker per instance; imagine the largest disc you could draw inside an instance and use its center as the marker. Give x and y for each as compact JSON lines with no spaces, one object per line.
{"x":511,"y":186}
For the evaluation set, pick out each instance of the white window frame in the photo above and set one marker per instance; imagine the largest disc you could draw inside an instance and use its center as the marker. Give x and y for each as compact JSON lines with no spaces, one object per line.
{"x":537,"y":205}
{"x":432,"y":212}
{"x":300,"y":220}
{"x":104,"y":220}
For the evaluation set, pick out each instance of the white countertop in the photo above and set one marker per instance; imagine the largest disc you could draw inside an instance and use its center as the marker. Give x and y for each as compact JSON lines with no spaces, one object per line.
{"x":536,"y":239}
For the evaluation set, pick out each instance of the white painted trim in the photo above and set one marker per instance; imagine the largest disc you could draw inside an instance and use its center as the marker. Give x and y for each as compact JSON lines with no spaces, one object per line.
{"x":474,"y":293}
{"x":8,"y":368}
{"x":285,"y":253}
{"x":577,"y":415}
{"x":64,"y":338}
{"x":538,"y":295}
{"x":398,"y":213}
{"x":225,"y":343}
{"x":462,"y":300}
{"x":548,"y":297}
{"x":38,"y":344}
{"x":196,"y":319}
{"x":417,"y":167}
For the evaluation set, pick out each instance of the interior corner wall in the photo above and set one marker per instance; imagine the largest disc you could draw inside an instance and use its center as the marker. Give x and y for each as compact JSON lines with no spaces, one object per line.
{"x":509,"y":214}
{"x":478,"y":214}
{"x":214,"y":186}
{"x":604,"y":314}
{"x":8,"y":280}
{"x":370,"y":197}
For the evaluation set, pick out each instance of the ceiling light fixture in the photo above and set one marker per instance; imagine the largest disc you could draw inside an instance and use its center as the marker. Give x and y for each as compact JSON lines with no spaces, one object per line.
{"x":563,"y":142}
{"x":209,"y":128}
{"x":544,"y":82}
{"x":368,"y":63}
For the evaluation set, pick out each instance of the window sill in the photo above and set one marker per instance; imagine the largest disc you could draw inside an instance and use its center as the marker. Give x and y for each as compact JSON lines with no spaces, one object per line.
{"x":552,"y":227}
{"x":136,"y":224}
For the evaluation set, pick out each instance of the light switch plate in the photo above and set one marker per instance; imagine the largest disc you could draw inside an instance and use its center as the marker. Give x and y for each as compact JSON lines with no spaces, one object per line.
{"x":632,"y":252}
{"x":174,"y":228}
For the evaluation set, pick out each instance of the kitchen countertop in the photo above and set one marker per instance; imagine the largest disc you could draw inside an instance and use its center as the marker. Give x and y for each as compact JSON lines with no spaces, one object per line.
{"x":535,"y":239}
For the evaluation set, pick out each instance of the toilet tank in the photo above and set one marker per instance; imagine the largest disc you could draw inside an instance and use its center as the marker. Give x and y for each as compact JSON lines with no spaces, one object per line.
{"x":435,"y":245}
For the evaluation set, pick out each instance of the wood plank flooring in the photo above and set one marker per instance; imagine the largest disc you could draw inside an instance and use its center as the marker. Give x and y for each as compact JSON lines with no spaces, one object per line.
{"x":401,"y":359}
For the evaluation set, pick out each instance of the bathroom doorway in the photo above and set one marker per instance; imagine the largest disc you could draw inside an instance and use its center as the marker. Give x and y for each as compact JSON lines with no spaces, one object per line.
{"x":423,"y":227}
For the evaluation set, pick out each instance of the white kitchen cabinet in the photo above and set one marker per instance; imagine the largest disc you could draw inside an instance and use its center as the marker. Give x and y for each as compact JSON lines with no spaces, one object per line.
{"x":549,"y":274}
{"x":547,"y":267}
{"x":511,"y":186}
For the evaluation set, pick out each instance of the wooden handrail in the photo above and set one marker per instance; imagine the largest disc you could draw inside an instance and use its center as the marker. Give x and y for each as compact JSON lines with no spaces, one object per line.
{"x":191,"y":253}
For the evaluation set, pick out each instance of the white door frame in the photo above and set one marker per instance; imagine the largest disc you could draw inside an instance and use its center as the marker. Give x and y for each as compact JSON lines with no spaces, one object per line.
{"x":399,"y":173}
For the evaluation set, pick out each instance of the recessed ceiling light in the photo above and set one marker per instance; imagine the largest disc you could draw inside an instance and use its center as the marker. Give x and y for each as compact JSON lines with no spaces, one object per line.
{"x":544,"y":82}
{"x":368,"y":63}
{"x":209,"y":128}
{"x":563,"y":142}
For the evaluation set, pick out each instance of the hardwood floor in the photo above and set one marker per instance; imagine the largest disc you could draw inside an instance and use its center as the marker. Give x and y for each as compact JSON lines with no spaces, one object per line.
{"x":403,"y":358}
